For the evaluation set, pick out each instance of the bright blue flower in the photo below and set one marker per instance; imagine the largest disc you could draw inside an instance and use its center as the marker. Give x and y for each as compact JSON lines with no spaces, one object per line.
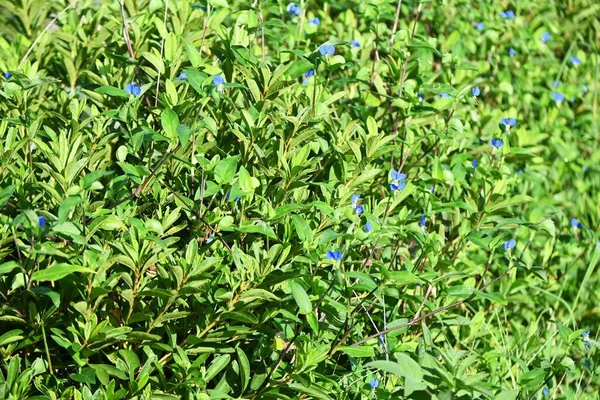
{"x":7,"y":75}
{"x":476,"y":91}
{"x":555,"y":83}
{"x":575,"y":223}
{"x":309,"y":73}
{"x":218,"y":80}
{"x":333,"y":255}
{"x":545,"y":37}
{"x":354,"y":43}
{"x":475,"y":163}
{"x":444,"y":95}
{"x":509,"y":244}
{"x":519,"y":172}
{"x":511,"y":52}
{"x":354,"y":199}
{"x":431,"y":189}
{"x":374,"y":383}
{"x":508,"y":14}
{"x":182,"y":76}
{"x":497,"y":143}
{"x":368,"y":227}
{"x":575,"y":60}
{"x":42,"y":221}
{"x":423,"y":221}
{"x":294,"y":9}
{"x":315,"y":21}
{"x":398,"y":180}
{"x":133,"y":89}
{"x":584,"y":89}
{"x":381,"y":340}
{"x":327,"y":50}
{"x":586,"y":345}
{"x":359,"y":209}
{"x":421,"y":96}
{"x":558,"y":97}
{"x":545,"y":391}
{"x":480,"y":26}
{"x":508,"y":122}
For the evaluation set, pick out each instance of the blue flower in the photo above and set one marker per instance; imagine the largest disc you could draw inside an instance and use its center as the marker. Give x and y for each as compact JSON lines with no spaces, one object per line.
{"x":210,"y":238}
{"x":476,"y":91}
{"x":218,"y":80}
{"x":374,"y":383}
{"x":7,"y":75}
{"x":431,"y":189}
{"x":480,"y":26}
{"x":421,"y":96}
{"x":555,"y":83}
{"x":133,"y":89}
{"x":381,"y":340}
{"x":315,"y":21}
{"x":182,"y":76}
{"x":545,"y":391}
{"x":354,"y":199}
{"x":398,"y":180}
{"x":575,"y":223}
{"x":497,"y":143}
{"x":585,"y":168}
{"x":42,"y":221}
{"x":309,"y":73}
{"x":294,"y":9}
{"x":586,"y":345}
{"x":509,"y":244}
{"x":333,"y":255}
{"x":444,"y":95}
{"x":354,"y":43}
{"x":423,"y":221}
{"x":368,"y":227}
{"x":359,"y":209}
{"x":586,"y":333}
{"x":475,"y":163}
{"x":558,"y":97}
{"x":327,"y":50}
{"x":575,"y":60}
{"x":508,"y":14}
{"x":584,"y":88}
{"x":511,"y":52}
{"x":545,"y":36}
{"x":508,"y":122}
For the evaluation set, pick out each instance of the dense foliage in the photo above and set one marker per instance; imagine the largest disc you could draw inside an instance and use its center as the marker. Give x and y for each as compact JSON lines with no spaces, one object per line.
{"x":332,"y":200}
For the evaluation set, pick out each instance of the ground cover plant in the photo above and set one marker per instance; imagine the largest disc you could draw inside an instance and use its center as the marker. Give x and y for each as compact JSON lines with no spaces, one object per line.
{"x":316,"y":200}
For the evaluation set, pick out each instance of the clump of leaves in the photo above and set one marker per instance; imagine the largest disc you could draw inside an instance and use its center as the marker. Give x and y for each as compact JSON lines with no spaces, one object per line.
{"x":360,"y":200}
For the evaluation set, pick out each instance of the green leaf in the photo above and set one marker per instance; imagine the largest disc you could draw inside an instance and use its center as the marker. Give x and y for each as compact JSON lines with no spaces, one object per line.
{"x":512,"y":201}
{"x":170,"y":122}
{"x":8,"y":267}
{"x":305,"y":234}
{"x":358,"y":351}
{"x":244,"y":368}
{"x":225,"y":170}
{"x":59,"y":271}
{"x":405,"y":367}
{"x":184,"y":134}
{"x":298,"y":68}
{"x":218,"y":364}
{"x":301,"y":297}
{"x":112,"y":91}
